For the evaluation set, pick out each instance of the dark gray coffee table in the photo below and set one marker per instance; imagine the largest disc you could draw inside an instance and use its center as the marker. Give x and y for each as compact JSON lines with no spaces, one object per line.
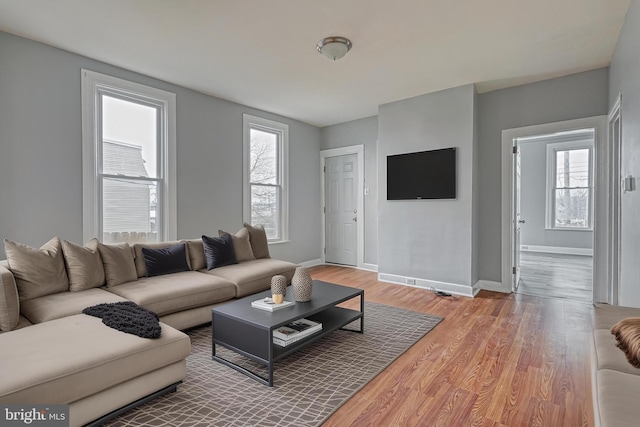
{"x":249,"y":331}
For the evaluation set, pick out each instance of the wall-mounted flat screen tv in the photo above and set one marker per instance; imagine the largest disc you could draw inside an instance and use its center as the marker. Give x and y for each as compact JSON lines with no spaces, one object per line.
{"x":422,"y":175}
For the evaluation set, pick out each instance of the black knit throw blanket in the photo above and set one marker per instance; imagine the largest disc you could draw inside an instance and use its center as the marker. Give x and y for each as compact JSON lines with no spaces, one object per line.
{"x":127,"y":317}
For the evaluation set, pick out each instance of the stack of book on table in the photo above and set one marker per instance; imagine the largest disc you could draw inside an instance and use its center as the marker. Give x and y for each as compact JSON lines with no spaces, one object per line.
{"x":268,"y":304}
{"x":295,"y":331}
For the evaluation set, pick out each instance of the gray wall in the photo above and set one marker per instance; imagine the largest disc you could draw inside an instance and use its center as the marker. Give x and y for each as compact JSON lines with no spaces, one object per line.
{"x":564,"y":98}
{"x":427,"y":239}
{"x":41,"y":154}
{"x":361,"y":132}
{"x":625,"y":79}
{"x":533,"y":201}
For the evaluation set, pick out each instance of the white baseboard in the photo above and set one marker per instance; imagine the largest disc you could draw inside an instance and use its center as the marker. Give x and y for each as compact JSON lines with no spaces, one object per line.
{"x":454,"y":288}
{"x":490,"y":285}
{"x":369,"y":267}
{"x":311,"y":263}
{"x":557,"y":250}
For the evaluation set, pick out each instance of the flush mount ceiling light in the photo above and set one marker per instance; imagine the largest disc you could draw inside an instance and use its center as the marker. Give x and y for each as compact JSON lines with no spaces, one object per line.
{"x":334,"y":47}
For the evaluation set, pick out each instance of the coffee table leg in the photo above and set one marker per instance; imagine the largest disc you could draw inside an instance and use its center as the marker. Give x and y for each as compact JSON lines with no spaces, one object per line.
{"x":362,"y":311}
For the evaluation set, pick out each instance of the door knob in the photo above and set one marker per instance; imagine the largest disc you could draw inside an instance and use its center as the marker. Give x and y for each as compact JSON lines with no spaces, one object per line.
{"x":355,"y":219}
{"x":521,"y":221}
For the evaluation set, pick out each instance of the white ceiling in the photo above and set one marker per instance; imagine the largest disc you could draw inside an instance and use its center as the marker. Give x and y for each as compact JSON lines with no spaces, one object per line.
{"x":262,"y":53}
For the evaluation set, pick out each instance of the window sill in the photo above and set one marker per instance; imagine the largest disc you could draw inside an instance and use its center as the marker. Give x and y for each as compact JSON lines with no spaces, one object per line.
{"x":567,"y":229}
{"x":277,"y":242}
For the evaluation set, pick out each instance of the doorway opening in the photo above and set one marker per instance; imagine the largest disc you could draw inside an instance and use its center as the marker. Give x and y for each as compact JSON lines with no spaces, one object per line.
{"x":554,"y":184}
{"x":554,"y":221}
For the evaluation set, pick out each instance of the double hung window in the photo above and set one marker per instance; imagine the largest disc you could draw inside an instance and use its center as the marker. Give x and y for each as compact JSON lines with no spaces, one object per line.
{"x":265,"y":175}
{"x":570,"y":185}
{"x":128,"y":160}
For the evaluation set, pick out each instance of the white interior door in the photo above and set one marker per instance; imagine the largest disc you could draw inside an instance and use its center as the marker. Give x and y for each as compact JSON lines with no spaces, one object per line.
{"x":517,"y":220}
{"x":341,"y":210}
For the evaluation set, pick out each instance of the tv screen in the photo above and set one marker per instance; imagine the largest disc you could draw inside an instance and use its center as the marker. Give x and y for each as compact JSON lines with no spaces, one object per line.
{"x":423,"y":175}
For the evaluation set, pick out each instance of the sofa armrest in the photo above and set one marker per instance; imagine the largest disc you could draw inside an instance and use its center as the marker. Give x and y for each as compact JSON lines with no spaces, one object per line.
{"x":9,"y":302}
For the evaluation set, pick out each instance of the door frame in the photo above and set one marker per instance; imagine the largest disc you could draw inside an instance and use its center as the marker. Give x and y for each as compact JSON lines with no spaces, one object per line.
{"x":358,"y":150}
{"x":614,"y":200}
{"x":601,"y":180}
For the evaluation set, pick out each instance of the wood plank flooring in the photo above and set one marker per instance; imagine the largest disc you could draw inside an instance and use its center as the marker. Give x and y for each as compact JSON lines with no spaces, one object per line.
{"x":495,"y":360}
{"x":556,"y":276}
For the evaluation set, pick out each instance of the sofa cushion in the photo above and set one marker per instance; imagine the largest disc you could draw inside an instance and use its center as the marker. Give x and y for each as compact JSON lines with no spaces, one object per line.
{"x":617,"y":398}
{"x":119,"y":266}
{"x":175,"y":292}
{"x":254,"y":276}
{"x":65,"y":304}
{"x":166,"y":260}
{"x":37,"y":272}
{"x":195,"y":248}
{"x":84,"y":265}
{"x":241,"y":245}
{"x":141,"y":267}
{"x":218,"y":251}
{"x":608,"y":356}
{"x":258,"y":239}
{"x":9,"y":302}
{"x":68,"y":359}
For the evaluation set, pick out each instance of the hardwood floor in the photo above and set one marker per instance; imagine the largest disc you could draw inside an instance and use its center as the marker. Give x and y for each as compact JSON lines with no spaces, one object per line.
{"x":495,"y":360}
{"x":556,"y":276}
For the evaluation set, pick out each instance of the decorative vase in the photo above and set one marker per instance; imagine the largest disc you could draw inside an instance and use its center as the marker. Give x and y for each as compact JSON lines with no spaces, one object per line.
{"x":301,"y":284}
{"x":278,"y":288}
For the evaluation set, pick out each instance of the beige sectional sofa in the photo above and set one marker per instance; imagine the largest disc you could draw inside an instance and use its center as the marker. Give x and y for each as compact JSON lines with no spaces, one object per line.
{"x":615,"y":383}
{"x":47,"y":345}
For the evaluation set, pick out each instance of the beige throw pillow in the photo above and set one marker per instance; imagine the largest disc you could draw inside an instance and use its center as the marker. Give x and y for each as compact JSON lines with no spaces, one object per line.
{"x":119,"y":266}
{"x":241,"y":245}
{"x":195,"y":249}
{"x":84,"y":265}
{"x":37,"y":272}
{"x":258,"y":239}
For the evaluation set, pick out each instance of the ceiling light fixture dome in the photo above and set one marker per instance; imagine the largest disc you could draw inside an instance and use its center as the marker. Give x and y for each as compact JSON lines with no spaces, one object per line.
{"x":334,"y":47}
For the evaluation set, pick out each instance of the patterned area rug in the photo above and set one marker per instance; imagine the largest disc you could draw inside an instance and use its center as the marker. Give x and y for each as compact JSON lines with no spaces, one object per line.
{"x":309,"y":385}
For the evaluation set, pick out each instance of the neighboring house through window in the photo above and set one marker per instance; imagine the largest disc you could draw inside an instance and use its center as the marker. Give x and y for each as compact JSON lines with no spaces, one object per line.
{"x":266,"y":176}
{"x":128,"y":161}
{"x":570,"y":185}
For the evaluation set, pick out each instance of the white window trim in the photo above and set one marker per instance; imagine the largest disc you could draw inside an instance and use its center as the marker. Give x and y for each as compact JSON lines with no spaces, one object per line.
{"x":94,"y":83}
{"x":551,"y":170}
{"x":249,"y":121}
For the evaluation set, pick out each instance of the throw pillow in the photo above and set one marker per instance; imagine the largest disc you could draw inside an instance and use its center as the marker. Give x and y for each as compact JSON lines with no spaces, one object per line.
{"x":241,"y":245}
{"x":627,"y":333}
{"x":84,"y":265}
{"x":119,"y":266}
{"x":258,"y":239}
{"x":195,"y":247}
{"x":166,"y":260}
{"x":218,"y":251}
{"x":141,"y":268}
{"x":37,"y":272}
